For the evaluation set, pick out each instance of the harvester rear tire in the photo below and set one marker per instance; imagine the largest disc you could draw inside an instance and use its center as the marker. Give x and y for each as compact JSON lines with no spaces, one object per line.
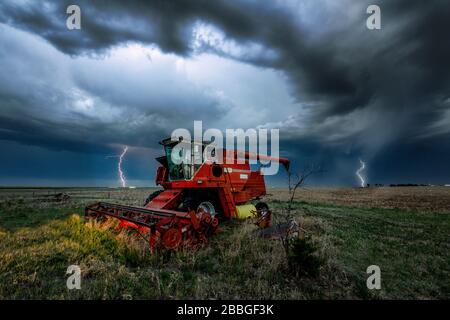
{"x":263,"y":215}
{"x":261,"y":207}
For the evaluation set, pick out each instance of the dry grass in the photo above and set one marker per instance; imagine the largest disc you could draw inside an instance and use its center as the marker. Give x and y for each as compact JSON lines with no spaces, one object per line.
{"x":436,"y":199}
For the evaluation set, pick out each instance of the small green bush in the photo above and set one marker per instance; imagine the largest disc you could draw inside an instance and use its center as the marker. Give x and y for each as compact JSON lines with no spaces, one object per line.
{"x":302,"y":256}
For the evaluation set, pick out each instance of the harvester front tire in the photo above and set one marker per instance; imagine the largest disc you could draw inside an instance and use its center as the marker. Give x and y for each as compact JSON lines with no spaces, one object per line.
{"x":207,"y":207}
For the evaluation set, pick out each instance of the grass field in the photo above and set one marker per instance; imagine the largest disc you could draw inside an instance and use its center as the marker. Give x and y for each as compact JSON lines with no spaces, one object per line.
{"x":405,"y":231}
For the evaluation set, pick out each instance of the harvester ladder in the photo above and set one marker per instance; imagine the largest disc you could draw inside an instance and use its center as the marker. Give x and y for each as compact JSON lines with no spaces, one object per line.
{"x":228,"y":192}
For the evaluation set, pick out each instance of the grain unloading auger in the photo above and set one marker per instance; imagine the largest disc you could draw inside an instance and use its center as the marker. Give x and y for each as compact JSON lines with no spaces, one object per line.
{"x":195,"y":197}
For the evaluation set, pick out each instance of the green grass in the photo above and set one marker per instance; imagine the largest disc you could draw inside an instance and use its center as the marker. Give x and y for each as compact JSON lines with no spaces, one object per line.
{"x":411,"y":248}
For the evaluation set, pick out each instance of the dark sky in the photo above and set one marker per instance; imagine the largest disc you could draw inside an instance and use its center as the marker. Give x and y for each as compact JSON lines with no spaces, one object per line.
{"x":137,"y":70}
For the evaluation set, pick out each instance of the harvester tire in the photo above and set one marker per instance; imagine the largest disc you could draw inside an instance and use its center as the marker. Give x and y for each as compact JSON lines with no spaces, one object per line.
{"x":261,"y":207}
{"x":207,"y":207}
{"x":263,"y":215}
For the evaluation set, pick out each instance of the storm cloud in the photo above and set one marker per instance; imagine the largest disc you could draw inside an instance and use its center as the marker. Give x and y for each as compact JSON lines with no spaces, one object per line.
{"x":351,"y":92}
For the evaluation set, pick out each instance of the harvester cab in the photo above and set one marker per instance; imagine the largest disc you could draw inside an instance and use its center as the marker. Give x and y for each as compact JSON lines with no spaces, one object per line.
{"x":197,"y":192}
{"x":182,"y":159}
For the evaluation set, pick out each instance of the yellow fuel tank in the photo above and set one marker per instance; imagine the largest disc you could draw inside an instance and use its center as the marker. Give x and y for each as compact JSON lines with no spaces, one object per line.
{"x":245,"y":211}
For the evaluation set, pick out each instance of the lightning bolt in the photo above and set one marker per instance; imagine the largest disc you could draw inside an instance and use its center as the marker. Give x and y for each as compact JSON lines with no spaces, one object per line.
{"x":119,"y":167}
{"x":358,"y":173}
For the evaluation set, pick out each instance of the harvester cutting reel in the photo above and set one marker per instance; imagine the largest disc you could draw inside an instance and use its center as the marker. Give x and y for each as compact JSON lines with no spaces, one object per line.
{"x":160,"y":227}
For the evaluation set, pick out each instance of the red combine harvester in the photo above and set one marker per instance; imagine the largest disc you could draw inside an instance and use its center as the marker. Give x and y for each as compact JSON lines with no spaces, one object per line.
{"x":195,"y":197}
